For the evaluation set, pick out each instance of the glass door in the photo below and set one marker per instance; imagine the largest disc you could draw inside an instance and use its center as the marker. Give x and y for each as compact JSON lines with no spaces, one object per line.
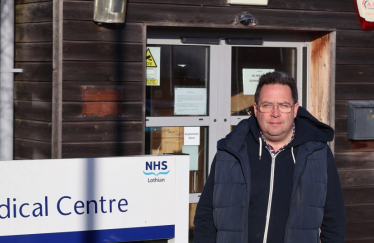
{"x":248,"y":63}
{"x":205,"y":90}
{"x":197,"y":93}
{"x":180,"y":116}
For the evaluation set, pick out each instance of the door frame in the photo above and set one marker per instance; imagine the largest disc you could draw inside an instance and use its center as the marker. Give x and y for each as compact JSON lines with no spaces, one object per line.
{"x":219,"y":120}
{"x":320,"y":73}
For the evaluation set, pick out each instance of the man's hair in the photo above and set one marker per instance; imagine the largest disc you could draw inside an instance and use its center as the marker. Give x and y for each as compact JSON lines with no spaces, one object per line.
{"x":277,"y":78}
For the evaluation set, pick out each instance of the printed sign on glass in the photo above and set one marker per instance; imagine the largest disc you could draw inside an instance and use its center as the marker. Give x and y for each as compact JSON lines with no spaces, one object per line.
{"x":153,"y":66}
{"x":190,"y":101}
{"x":251,"y":78}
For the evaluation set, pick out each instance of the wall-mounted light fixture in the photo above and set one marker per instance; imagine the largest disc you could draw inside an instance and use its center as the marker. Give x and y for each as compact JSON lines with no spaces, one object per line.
{"x":246,"y":19}
{"x":110,"y":11}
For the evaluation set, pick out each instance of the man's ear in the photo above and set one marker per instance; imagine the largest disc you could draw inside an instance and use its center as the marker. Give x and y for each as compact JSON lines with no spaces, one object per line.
{"x":296,"y":107}
{"x":255,"y":108}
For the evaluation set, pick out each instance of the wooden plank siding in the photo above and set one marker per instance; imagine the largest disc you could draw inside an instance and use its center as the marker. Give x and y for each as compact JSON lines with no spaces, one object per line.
{"x":33,"y":91}
{"x":33,"y":87}
{"x":207,"y":16}
{"x":33,"y":12}
{"x":33,"y":32}
{"x":321,"y":5}
{"x":354,"y":72}
{"x":103,"y":90}
{"x":105,"y":131}
{"x":33,"y":130}
{"x":32,"y":149}
{"x":101,"y":149}
{"x":102,"y":71}
{"x":30,"y":1}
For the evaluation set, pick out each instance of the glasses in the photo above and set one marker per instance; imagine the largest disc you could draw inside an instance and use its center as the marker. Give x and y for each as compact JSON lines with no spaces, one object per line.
{"x":268,"y":107}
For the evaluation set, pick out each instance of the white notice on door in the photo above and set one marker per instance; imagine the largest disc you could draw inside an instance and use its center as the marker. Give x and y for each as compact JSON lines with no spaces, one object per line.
{"x":250,"y":79}
{"x":190,"y":101}
{"x":192,"y":136}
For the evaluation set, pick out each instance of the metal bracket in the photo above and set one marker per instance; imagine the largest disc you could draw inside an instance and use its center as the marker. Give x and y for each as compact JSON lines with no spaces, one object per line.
{"x":14,"y":70}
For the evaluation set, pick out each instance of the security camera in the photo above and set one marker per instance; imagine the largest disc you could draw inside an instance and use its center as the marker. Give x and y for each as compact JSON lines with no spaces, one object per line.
{"x":246,"y":19}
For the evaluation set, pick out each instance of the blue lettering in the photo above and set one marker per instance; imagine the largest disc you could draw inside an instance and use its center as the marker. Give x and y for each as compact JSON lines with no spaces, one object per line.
{"x":39,"y":208}
{"x":110,"y":204}
{"x":102,"y":200}
{"x":58,"y":205}
{"x":122,"y":204}
{"x":78,"y":206}
{"x":164,"y":165}
{"x":46,"y":205}
{"x":156,"y":165}
{"x":148,"y":165}
{"x":7,"y":209}
{"x":88,"y":206}
{"x":14,"y":208}
{"x":20,"y":210}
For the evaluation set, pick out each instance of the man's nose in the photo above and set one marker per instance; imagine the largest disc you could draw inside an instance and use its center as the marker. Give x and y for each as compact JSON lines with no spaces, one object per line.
{"x":275,"y":111}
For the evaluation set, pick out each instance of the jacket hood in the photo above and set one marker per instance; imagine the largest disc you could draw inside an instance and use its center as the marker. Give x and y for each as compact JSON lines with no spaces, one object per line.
{"x":307,"y":129}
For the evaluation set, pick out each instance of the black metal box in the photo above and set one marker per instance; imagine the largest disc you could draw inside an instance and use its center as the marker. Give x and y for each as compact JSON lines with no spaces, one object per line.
{"x":361,"y":120}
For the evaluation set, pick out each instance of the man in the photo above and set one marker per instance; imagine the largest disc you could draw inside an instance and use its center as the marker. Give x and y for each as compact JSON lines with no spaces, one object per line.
{"x":274,"y":178}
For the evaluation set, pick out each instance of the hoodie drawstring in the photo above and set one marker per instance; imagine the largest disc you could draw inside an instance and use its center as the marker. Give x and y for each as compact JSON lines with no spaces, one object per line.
{"x":260,"y":149}
{"x":293,"y":156}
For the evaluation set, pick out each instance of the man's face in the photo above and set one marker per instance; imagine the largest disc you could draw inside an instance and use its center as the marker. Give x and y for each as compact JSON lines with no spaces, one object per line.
{"x":275,"y":125}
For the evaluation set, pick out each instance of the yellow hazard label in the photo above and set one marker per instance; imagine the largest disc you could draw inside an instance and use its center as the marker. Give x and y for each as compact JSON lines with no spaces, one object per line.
{"x":150,"y":60}
{"x":152,"y":82}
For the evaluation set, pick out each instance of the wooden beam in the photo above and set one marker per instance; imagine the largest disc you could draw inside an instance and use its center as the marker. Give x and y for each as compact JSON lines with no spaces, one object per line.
{"x":331,"y":103}
{"x":144,"y":32}
{"x":320,"y":83}
{"x":56,"y":148}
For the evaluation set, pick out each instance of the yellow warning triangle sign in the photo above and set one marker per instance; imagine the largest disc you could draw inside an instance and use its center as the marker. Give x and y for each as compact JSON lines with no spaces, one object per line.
{"x":150,"y":60}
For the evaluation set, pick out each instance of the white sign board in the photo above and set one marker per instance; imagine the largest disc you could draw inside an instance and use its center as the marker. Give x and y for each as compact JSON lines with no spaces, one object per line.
{"x":366,"y":9}
{"x":106,"y":199}
{"x":251,"y":78}
{"x":249,"y":2}
{"x":190,"y":101}
{"x":153,"y":63}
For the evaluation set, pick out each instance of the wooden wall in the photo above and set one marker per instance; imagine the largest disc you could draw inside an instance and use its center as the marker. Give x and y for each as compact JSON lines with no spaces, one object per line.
{"x":355,"y":159}
{"x":103,"y":90}
{"x":33,"y":87}
{"x":103,"y":79}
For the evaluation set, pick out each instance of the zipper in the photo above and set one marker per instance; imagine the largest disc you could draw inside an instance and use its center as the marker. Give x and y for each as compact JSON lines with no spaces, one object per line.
{"x":270,"y":196}
{"x":299,"y":195}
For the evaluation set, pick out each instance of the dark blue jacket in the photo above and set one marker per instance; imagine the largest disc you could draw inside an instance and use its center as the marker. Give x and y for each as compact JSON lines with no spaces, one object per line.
{"x":306,"y":195}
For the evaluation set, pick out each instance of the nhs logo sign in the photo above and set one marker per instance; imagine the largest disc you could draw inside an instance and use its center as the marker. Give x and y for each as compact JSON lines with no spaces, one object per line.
{"x":156,"y":168}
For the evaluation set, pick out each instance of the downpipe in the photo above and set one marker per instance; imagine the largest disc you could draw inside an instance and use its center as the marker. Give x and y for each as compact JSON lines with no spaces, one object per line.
{"x":7,"y":79}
